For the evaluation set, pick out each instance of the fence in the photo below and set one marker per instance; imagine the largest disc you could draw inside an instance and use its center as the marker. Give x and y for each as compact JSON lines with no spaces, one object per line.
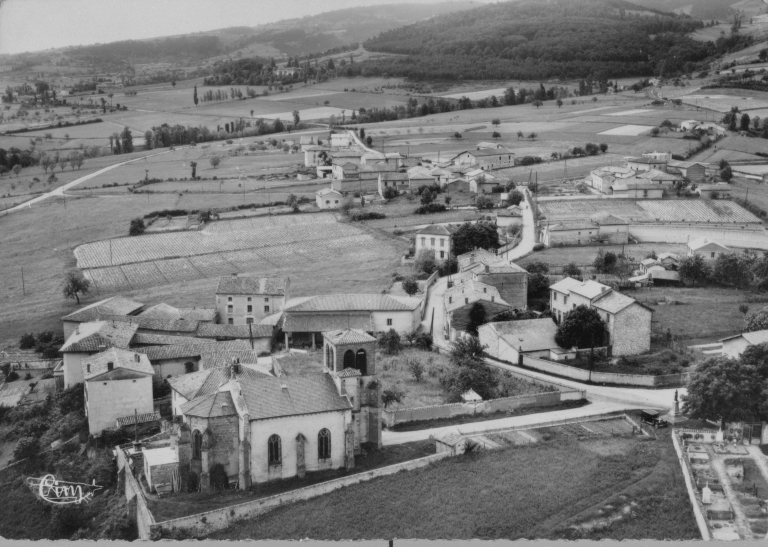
{"x":210,"y":521}
{"x":534,"y":400}
{"x":582,"y":375}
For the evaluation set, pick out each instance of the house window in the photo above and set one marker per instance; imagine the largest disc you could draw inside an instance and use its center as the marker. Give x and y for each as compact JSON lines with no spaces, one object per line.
{"x":250,"y":309}
{"x":712,"y":255}
{"x":248,"y":320}
{"x":229,"y":299}
{"x":442,"y":242}
{"x":389,"y":322}
{"x":432,"y":242}
{"x":266,"y":299}
{"x":493,"y":299}
{"x":442,"y":254}
{"x":230,"y":308}
{"x":450,"y":299}
{"x":423,"y":241}
{"x":466,"y":300}
{"x":324,"y":444}
{"x":327,"y":201}
{"x":554,"y":296}
{"x":249,"y":299}
{"x":230,"y":321}
{"x":266,"y":309}
{"x":274,"y":451}
{"x":197,"y":444}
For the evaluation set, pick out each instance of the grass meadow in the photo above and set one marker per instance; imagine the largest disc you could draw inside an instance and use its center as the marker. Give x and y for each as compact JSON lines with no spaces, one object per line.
{"x":534,"y":491}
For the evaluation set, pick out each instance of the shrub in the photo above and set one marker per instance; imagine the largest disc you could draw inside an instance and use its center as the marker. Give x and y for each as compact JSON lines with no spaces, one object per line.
{"x":27,"y":447}
{"x":539,"y":247}
{"x":389,"y":192}
{"x":357,"y":216}
{"x":410,"y":286}
{"x":392,"y":395}
{"x":389,"y":342}
{"x":415,"y":367}
{"x":137,"y":227}
{"x":27,"y":341}
{"x":12,"y":376}
{"x":430,"y":208}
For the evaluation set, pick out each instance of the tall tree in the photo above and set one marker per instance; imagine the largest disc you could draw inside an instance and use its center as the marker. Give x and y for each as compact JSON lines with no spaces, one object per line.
{"x":127,"y":140}
{"x":582,"y":327}
{"x":694,"y":270}
{"x":75,"y":285}
{"x":194,"y":97}
{"x":483,"y":234}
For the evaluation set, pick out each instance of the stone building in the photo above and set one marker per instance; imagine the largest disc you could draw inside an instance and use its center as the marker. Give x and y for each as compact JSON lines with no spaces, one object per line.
{"x":435,"y":238}
{"x":90,"y":338}
{"x":627,"y":322}
{"x":486,"y":159}
{"x":243,"y":300}
{"x":511,"y":340}
{"x":600,"y":227}
{"x":459,"y":301}
{"x":100,"y":310}
{"x":507,"y":277}
{"x":118,"y":383}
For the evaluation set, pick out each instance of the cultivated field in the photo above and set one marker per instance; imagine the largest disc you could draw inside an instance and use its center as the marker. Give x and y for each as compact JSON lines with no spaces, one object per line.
{"x":724,"y":103}
{"x":222,"y":247}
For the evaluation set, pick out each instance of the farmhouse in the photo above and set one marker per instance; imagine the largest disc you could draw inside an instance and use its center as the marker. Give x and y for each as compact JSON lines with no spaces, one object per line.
{"x":434,"y":238}
{"x":328,"y":198}
{"x":306,"y":317}
{"x":660,"y":177}
{"x":118,"y":383}
{"x":627,"y":322}
{"x":489,"y":146}
{"x":487,"y":159}
{"x":689,"y":125}
{"x":398,"y":181}
{"x":637,"y":189}
{"x":512,"y":340}
{"x":460,"y":301}
{"x":646,"y":164}
{"x":569,"y":232}
{"x":663,"y":156}
{"x":344,"y":169}
{"x":490,"y":269}
{"x":342,"y":140}
{"x":480,"y":182}
{"x":89,"y":339}
{"x":720,"y":190}
{"x":314,"y":154}
{"x":734,"y":346}
{"x":707,"y":249}
{"x":691,"y":170}
{"x":243,"y":300}
{"x":168,"y":312}
{"x":93,"y":312}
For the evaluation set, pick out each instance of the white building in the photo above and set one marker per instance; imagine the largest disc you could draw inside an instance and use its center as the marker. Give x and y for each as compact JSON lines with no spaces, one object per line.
{"x":243,"y":300}
{"x":328,"y":198}
{"x":434,"y":238}
{"x":707,"y":249}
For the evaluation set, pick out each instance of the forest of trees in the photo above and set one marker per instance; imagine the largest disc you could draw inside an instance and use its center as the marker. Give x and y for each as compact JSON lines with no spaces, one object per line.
{"x":536,"y":40}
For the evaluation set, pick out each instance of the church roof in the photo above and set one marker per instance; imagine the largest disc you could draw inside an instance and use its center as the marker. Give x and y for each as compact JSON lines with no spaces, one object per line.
{"x":291,"y":396}
{"x":210,"y":406}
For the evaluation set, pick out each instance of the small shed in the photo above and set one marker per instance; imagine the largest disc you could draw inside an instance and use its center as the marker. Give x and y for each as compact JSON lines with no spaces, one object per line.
{"x":471,"y":397}
{"x":450,"y":441}
{"x":160,"y":464}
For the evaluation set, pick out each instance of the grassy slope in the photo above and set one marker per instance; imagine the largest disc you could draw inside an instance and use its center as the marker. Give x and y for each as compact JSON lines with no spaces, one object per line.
{"x":485,"y":495}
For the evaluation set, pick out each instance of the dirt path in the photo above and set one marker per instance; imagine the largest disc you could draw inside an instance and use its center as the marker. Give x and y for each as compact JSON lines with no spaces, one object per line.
{"x":742,"y":524}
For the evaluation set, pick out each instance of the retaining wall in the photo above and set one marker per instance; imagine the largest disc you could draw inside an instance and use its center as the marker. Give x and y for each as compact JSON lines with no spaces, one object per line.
{"x":752,"y":237}
{"x":135,"y":497}
{"x":583,"y":375}
{"x":687,"y":475}
{"x":210,"y":521}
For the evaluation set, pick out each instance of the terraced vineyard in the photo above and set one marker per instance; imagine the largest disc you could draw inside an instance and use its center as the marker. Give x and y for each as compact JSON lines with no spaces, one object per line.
{"x":254,"y":244}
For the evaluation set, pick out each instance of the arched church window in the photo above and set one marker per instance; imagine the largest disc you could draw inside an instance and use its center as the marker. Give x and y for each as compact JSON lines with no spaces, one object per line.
{"x":324,"y":444}
{"x":274,"y":451}
{"x":349,"y":359}
{"x":361,"y":361}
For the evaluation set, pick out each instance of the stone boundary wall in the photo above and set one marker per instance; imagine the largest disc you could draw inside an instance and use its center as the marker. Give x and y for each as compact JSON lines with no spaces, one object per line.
{"x":134,"y":495}
{"x":218,"y":519}
{"x":751,"y":238}
{"x":533,"y":400}
{"x":700,"y":520}
{"x":583,"y":375}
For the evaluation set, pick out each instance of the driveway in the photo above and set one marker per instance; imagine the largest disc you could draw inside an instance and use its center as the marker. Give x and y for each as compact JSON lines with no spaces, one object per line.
{"x":61,"y":189}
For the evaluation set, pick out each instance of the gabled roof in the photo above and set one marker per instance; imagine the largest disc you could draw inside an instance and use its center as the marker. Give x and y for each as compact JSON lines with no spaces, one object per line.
{"x":346,"y":165}
{"x":252,"y":285}
{"x":754,"y":337}
{"x":97,"y":365}
{"x":109,"y":306}
{"x":480,"y":173}
{"x":205,"y":382}
{"x":243,"y":332}
{"x":528,"y":334}
{"x":656,"y":175}
{"x":606,"y":219}
{"x":151,"y":339}
{"x":613,"y":302}
{"x":351,"y":302}
{"x":434,"y":230}
{"x":210,"y":406}
{"x":291,"y":396}
{"x":485,"y":152}
{"x":488,"y":145}
{"x":470,"y":292}
{"x":216,"y":357}
{"x":348,"y":336}
{"x":568,"y":225}
{"x":321,"y":322}
{"x":394,"y":176}
{"x":325,"y":191}
{"x":649,"y":161}
{"x":484,"y":258}
{"x":649,"y":261}
{"x":166,"y":311}
{"x":673,"y":256}
{"x":590,"y":289}
{"x":99,"y":335}
{"x":565,"y":285}
{"x":705,"y":244}
{"x":184,"y":351}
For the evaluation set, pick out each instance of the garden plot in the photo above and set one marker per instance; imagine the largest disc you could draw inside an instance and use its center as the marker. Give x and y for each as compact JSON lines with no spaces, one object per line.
{"x":177,"y":269}
{"x":143,"y":274}
{"x":477,"y":95}
{"x":627,"y":130}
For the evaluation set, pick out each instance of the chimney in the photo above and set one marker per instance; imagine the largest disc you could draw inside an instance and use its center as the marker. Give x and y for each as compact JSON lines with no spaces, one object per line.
{"x":283,"y":386}
{"x":102,"y":346}
{"x":110,"y":366}
{"x":77,"y":329}
{"x":603,"y":289}
{"x":472,"y":258}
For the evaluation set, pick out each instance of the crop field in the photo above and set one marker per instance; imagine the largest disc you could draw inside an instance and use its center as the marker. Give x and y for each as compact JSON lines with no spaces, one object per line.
{"x":724,"y":103}
{"x":627,"y":130}
{"x":477,"y":95}
{"x":650,"y":210}
{"x":630,"y":112}
{"x":222,"y":247}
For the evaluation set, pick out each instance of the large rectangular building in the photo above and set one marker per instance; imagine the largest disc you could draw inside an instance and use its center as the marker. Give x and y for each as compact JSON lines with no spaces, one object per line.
{"x":243,"y":300}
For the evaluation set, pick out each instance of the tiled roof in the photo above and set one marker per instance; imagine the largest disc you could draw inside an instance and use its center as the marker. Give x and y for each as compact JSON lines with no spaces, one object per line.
{"x":470,"y":292}
{"x":487,"y":145}
{"x":378,"y":168}
{"x":650,"y":161}
{"x":98,"y":335}
{"x":204,"y":382}
{"x":251,"y":285}
{"x":655,"y":174}
{"x":702,"y":242}
{"x":606,"y":219}
{"x":291,"y":395}
{"x":565,"y":285}
{"x":166,"y":311}
{"x":181,"y":351}
{"x":323,"y":322}
{"x":613,"y":302}
{"x":348,"y":336}
{"x":486,"y":261}
{"x":486,"y":152}
{"x":326,"y":191}
{"x":648,"y":261}
{"x":140,"y":419}
{"x":536,"y":334}
{"x":109,"y":306}
{"x":434,"y":230}
{"x":348,"y":373}
{"x":211,"y":330}
{"x":394,"y":176}
{"x":673,"y":256}
{"x":569,"y":225}
{"x":210,"y":406}
{"x":352,"y":302}
{"x":215,"y":357}
{"x":590,"y":289}
{"x":96,"y":365}
{"x":624,"y":187}
{"x":152,"y":339}
{"x":154,"y":323}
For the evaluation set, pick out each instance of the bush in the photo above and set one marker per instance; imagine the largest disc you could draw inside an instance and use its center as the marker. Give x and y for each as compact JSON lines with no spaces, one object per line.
{"x":421,"y":340}
{"x":392,"y":395}
{"x":12,"y":376}
{"x":539,"y":247}
{"x":357,"y":216}
{"x":27,"y":341}
{"x":389,"y":342}
{"x":430,"y":208}
{"x":389,"y":192}
{"x":27,"y":447}
{"x":415,"y":367}
{"x":137,"y":227}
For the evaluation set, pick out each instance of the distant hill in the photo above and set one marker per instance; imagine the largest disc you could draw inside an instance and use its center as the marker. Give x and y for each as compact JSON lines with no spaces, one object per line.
{"x":540,"y":39}
{"x":301,"y":36}
{"x":706,"y":9}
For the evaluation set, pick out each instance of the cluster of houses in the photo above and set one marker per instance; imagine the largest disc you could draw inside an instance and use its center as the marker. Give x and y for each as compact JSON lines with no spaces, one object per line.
{"x":353,"y":167}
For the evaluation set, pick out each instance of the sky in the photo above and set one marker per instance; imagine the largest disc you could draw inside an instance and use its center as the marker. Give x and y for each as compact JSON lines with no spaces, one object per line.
{"x":33,"y":25}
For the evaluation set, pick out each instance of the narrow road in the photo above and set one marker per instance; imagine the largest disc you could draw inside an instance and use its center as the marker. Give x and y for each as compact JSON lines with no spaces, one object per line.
{"x":61,"y":189}
{"x":529,"y":232}
{"x":529,"y":421}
